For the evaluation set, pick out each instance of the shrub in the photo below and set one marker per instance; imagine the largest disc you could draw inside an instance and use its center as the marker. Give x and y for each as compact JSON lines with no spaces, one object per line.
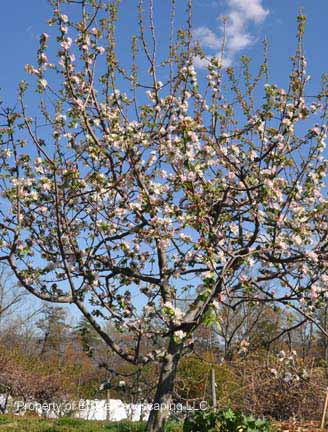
{"x":224,"y":421}
{"x":273,"y":389}
{"x":202,"y":421}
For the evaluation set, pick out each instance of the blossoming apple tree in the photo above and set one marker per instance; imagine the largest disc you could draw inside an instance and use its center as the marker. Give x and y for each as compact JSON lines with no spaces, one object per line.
{"x":147,"y":203}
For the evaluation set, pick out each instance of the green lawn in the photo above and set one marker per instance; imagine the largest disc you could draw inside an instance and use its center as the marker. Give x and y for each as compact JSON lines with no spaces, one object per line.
{"x":24,"y":424}
{"x":35,"y":424}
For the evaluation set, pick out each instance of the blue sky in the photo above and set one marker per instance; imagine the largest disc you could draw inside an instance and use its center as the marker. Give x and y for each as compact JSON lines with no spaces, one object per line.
{"x":22,"y":22}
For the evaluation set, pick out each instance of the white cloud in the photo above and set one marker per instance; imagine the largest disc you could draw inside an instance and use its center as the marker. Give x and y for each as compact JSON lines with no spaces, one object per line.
{"x":240,"y":14}
{"x":251,"y":9}
{"x":200,"y":63}
{"x":206,"y":37}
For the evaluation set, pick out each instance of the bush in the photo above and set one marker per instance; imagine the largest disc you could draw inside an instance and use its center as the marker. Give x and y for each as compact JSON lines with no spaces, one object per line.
{"x":202,"y":421}
{"x":265,"y":390}
{"x":224,"y":421}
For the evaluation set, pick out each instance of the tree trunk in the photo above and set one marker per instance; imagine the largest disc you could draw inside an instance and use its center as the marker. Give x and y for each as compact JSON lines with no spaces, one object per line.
{"x":163,"y":398}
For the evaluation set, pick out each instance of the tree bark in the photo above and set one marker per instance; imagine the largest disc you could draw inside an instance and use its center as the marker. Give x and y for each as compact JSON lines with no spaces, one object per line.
{"x":163,"y":398}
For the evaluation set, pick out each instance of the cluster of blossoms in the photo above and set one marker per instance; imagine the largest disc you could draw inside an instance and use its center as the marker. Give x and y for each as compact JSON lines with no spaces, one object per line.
{"x":244,"y":345}
{"x":288,"y":368}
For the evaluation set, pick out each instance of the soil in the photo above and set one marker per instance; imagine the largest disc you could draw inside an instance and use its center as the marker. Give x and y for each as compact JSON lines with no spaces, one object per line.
{"x":291,"y":426}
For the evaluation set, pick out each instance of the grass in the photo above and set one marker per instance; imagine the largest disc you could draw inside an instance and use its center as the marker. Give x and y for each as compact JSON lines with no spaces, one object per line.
{"x":35,"y":424}
{"x":30,"y":424}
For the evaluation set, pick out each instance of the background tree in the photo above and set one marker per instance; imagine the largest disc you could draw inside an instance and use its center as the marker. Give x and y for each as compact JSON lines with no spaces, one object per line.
{"x":127,"y":202}
{"x":10,"y":295}
{"x":53,"y":329}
